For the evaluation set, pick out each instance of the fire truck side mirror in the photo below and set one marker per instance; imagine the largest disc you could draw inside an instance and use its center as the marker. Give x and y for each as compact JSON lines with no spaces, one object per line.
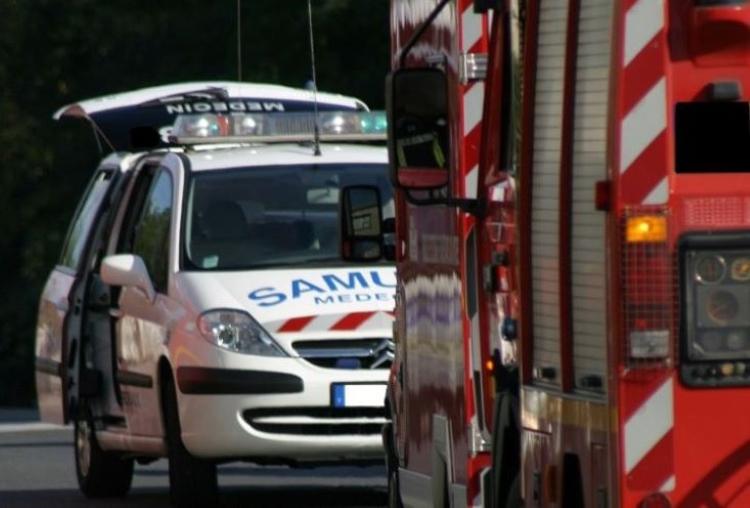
{"x":361,"y":223}
{"x":418,"y":132}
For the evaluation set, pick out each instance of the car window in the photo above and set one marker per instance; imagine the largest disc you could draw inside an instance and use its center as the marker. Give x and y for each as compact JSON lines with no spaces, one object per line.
{"x":84,"y":219}
{"x":266,"y":216}
{"x":151,"y":233}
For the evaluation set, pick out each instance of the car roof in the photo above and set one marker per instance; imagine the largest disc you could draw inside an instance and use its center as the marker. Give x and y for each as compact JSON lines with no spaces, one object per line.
{"x":284,"y":154}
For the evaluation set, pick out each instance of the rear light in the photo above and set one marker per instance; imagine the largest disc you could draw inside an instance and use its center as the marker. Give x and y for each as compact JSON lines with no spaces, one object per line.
{"x":646,"y":228}
{"x":647,"y":285}
{"x":657,"y":500}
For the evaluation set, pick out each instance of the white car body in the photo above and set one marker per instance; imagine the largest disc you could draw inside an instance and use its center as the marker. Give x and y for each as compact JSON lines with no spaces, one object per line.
{"x":291,"y":409}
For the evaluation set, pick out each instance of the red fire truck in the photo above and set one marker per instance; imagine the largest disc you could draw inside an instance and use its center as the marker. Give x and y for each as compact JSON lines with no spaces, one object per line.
{"x":592,"y":230}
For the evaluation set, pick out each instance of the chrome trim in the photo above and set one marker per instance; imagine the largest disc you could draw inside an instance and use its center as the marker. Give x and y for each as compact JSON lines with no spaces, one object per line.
{"x":472,"y":67}
{"x":381,"y":352}
{"x":479,"y":440}
{"x":313,"y":420}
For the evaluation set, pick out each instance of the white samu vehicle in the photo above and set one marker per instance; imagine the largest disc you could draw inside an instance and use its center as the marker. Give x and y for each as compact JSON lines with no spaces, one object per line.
{"x":201,"y":309}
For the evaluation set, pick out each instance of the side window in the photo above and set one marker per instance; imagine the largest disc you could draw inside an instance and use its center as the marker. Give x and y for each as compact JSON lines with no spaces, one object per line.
{"x":151,"y":232}
{"x":84,"y":219}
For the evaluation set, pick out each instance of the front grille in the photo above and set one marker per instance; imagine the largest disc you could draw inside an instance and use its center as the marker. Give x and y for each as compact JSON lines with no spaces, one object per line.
{"x":347,"y":354}
{"x":317,"y":421}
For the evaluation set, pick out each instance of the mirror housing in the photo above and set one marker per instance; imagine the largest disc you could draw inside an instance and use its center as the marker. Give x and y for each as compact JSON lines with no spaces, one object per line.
{"x":361,"y":223}
{"x":418,"y":131}
{"x":127,"y":270}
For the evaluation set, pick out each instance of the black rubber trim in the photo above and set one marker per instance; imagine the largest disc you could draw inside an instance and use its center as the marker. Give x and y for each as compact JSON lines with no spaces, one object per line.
{"x":208,"y":381}
{"x":126,"y":377}
{"x":47,"y":366}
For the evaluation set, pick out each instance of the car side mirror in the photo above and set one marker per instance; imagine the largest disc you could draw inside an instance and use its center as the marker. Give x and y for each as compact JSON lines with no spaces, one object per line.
{"x":361,"y":223}
{"x":418,"y":131}
{"x":127,"y":270}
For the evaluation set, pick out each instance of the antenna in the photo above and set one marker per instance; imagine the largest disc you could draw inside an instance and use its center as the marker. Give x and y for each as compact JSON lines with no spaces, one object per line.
{"x":316,"y":129}
{"x":239,"y":40}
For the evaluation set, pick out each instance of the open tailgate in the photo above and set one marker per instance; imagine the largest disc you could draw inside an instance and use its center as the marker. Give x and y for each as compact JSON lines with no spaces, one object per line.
{"x":117,"y":117}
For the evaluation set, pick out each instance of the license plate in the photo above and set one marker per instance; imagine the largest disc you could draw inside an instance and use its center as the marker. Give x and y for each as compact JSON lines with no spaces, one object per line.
{"x":357,"y":395}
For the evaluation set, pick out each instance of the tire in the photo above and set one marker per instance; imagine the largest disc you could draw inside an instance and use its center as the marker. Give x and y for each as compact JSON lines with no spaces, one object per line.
{"x":506,"y":452}
{"x":100,"y":473}
{"x":192,"y":481}
{"x":394,"y":494}
{"x":514,"y":495}
{"x":391,"y":468}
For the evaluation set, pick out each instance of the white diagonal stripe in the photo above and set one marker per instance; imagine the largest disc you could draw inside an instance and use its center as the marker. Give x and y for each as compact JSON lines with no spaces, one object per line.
{"x":471,"y":28}
{"x":378,"y":320}
{"x":669,"y":485}
{"x":473,"y":102}
{"x":322,"y":322}
{"x":643,"y":124}
{"x":659,"y":194}
{"x":642,"y":22}
{"x":470,"y":182}
{"x":648,"y":425}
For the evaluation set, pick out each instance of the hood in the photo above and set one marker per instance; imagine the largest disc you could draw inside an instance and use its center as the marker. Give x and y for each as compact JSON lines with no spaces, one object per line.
{"x":126,"y":120}
{"x":302,"y":303}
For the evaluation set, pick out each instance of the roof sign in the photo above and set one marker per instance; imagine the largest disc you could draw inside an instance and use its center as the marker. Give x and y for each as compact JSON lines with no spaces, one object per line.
{"x":279,"y":127}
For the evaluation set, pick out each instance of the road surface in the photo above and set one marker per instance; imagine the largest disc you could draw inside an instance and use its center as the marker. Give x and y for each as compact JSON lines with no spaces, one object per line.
{"x":36,"y":469}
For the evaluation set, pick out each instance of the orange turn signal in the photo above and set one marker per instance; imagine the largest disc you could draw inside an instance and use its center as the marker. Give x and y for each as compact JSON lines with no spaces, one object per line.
{"x":646,"y":229}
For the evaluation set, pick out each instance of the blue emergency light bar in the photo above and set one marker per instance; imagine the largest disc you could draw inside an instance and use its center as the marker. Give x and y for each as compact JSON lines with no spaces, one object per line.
{"x":278,"y":127}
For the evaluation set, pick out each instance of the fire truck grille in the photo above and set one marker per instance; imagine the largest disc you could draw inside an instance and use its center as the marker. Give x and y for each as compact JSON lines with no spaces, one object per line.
{"x":317,"y":421}
{"x":347,"y":354}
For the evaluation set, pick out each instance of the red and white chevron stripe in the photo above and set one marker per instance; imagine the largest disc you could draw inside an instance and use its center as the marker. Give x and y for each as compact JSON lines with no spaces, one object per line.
{"x":643,"y":117}
{"x":648,"y":448}
{"x":332,"y":322}
{"x":473,"y":40}
{"x":648,"y":407}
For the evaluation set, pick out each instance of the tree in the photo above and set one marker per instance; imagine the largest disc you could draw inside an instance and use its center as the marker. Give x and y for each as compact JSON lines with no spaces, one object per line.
{"x":53,"y":53}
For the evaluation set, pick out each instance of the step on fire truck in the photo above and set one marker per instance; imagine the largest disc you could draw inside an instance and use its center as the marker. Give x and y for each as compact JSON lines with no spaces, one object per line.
{"x":625,"y":283}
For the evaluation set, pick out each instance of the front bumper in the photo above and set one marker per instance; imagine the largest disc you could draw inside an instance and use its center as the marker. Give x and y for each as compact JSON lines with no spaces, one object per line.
{"x":282,"y":413}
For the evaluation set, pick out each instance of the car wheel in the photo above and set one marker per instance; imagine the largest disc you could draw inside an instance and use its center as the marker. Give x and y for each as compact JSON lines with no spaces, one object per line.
{"x":192,"y":481}
{"x":100,"y":473}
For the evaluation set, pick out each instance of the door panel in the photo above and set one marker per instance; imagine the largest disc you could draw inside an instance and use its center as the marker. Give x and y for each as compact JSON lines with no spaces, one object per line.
{"x":142,"y":329}
{"x":58,"y":348}
{"x":545,"y":233}
{"x":588,"y":227}
{"x":53,"y":308}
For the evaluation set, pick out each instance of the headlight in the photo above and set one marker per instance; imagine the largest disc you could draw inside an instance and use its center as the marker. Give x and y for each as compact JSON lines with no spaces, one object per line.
{"x":236,"y":331}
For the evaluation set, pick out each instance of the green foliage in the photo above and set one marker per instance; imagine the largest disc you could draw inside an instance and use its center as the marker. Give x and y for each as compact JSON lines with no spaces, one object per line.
{"x":53,"y":53}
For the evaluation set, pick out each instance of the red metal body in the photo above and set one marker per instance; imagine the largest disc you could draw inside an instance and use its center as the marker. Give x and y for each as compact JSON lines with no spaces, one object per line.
{"x":441,"y":402}
{"x":617,"y":408}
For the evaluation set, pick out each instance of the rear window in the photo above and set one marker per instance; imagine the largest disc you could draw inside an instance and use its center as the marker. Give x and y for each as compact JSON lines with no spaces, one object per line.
{"x":712,"y":137}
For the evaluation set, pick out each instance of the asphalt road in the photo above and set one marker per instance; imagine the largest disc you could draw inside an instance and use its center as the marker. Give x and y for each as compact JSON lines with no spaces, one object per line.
{"x":36,"y":470}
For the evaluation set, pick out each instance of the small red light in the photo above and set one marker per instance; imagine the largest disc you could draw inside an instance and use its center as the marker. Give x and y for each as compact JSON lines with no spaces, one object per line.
{"x":641,"y":324}
{"x":656,"y":500}
{"x":603,"y":196}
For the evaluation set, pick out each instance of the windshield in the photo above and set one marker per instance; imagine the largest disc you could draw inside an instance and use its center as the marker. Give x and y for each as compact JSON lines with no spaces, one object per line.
{"x":266,"y":216}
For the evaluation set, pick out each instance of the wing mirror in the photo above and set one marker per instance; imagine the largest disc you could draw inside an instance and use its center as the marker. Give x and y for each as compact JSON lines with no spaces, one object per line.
{"x":361,"y":223}
{"x":418,"y":132}
{"x":127,"y":270}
